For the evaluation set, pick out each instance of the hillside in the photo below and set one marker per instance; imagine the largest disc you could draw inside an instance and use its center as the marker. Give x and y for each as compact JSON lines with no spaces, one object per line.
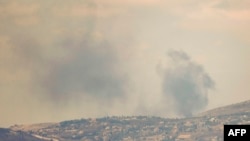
{"x":238,"y":108}
{"x":207,"y":126}
{"x":10,"y":135}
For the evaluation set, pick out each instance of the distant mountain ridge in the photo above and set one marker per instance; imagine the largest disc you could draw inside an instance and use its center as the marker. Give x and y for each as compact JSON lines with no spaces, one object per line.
{"x":206,"y":126}
{"x":241,"y":107}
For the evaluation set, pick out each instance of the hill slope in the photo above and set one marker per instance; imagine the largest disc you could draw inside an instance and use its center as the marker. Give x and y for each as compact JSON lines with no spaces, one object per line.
{"x":238,"y":108}
{"x":207,"y":126}
{"x":10,"y":135}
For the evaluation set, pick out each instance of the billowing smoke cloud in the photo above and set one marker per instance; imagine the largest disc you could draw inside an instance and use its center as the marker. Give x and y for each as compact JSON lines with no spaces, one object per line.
{"x":90,"y":69}
{"x":187,"y":83}
{"x":60,"y":64}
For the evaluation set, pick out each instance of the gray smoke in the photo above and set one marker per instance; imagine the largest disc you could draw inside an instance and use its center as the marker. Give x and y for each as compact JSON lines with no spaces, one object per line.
{"x":68,"y":61}
{"x":187,"y":83}
{"x":90,"y":69}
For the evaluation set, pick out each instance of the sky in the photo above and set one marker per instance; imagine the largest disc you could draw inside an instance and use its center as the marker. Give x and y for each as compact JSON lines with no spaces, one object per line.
{"x":63,"y":59}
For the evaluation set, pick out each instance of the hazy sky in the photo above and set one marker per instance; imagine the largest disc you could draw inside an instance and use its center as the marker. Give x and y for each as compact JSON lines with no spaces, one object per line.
{"x":62,"y":59}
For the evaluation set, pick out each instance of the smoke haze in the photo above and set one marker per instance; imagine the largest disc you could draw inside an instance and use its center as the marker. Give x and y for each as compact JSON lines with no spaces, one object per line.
{"x":64,"y":59}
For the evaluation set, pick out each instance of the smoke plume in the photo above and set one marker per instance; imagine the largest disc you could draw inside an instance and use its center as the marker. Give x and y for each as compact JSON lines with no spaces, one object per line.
{"x":187,"y":83}
{"x":89,"y":70}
